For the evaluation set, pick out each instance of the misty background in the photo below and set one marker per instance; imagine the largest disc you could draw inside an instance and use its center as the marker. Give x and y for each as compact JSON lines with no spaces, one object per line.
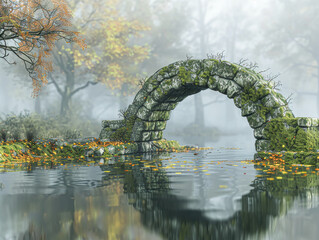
{"x":281,"y":36}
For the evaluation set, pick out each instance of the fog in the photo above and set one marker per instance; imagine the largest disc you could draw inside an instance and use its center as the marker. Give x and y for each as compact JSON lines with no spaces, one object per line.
{"x":280,"y":36}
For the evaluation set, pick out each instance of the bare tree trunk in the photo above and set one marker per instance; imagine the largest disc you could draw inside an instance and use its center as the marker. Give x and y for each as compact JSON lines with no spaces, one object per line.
{"x":199,"y":110}
{"x":198,"y":99}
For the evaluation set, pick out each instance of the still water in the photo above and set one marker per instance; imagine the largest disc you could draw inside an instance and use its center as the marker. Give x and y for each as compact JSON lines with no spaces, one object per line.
{"x":218,"y":193}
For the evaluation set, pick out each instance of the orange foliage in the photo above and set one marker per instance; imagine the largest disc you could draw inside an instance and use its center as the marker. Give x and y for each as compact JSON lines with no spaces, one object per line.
{"x":30,"y":28}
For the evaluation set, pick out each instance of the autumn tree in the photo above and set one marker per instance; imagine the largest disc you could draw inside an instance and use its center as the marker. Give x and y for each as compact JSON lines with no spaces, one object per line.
{"x":109,"y":58}
{"x":29,"y":29}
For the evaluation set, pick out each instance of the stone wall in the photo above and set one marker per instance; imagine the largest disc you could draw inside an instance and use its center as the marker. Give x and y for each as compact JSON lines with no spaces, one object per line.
{"x":150,"y":110}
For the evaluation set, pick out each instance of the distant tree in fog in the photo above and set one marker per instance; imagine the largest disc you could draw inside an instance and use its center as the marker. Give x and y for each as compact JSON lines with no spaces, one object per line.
{"x":291,"y":35}
{"x":29,"y":29}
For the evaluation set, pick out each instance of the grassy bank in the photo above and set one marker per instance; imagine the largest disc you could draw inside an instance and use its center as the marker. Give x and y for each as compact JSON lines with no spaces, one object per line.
{"x":15,"y":154}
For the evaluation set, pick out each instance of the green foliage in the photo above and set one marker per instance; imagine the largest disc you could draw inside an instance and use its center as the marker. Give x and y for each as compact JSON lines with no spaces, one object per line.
{"x":184,"y":75}
{"x":31,"y":126}
{"x":286,"y":135}
{"x":123,"y":134}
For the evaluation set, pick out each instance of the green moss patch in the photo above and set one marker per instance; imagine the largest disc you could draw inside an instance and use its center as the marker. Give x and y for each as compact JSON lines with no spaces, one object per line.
{"x":286,"y":135}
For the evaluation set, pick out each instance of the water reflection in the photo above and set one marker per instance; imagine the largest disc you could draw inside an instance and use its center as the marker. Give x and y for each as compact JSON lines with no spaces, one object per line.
{"x":173,"y":196}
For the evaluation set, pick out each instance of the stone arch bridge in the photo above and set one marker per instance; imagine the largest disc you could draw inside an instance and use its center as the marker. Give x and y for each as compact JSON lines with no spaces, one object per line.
{"x":145,"y":119}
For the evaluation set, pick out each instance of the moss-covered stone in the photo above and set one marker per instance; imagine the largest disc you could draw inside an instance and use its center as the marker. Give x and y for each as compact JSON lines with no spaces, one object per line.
{"x":286,"y":135}
{"x":123,"y":134}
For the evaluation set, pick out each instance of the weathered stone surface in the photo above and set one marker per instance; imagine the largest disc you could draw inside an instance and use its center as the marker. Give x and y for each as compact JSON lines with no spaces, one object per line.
{"x":113,"y":124}
{"x":202,"y":81}
{"x":245,"y":78}
{"x":131,"y":110}
{"x":212,"y":83}
{"x":159,"y":116}
{"x":165,"y":107}
{"x":237,"y":101}
{"x":248,"y":109}
{"x":160,"y":125}
{"x":146,"y":136}
{"x":304,"y":121}
{"x":224,"y":69}
{"x":150,"y":126}
{"x":149,"y":87}
{"x":271,"y":101}
{"x":222,"y":84}
{"x":259,"y":133}
{"x":140,"y":98}
{"x":255,"y":120}
{"x":156,"y":135}
{"x":150,"y":103}
{"x":278,"y":112}
{"x":143,"y":113}
{"x":158,"y":94}
{"x":262,"y":145}
{"x":233,"y":89}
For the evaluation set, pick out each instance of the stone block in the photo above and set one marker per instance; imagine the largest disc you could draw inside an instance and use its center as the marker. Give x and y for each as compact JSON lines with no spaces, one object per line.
{"x":166,"y":86}
{"x":143,"y":113}
{"x":237,"y":101}
{"x":150,"y":126}
{"x":165,"y":107}
{"x":176,"y":83}
{"x":245,"y":78}
{"x":255,"y":120}
{"x":202,"y":81}
{"x":222,"y":85}
{"x":259,"y":133}
{"x":140,"y":98}
{"x":159,"y":116}
{"x":248,"y":109}
{"x":150,"y":103}
{"x":148,"y":86}
{"x":212,"y":83}
{"x":224,"y":69}
{"x":262,"y":145}
{"x":146,"y":136}
{"x":304,"y":121}
{"x":131,"y":110}
{"x":156,"y":135}
{"x":271,"y":101}
{"x":160,"y":125}
{"x":314,"y":122}
{"x":158,"y":94}
{"x":233,"y":89}
{"x":278,"y":112}
{"x":113,"y":124}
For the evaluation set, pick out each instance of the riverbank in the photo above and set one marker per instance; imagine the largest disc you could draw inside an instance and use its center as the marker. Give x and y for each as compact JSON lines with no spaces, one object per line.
{"x":87,"y":149}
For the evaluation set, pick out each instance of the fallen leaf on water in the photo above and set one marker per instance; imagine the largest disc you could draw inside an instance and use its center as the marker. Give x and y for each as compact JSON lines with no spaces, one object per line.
{"x":222,"y":186}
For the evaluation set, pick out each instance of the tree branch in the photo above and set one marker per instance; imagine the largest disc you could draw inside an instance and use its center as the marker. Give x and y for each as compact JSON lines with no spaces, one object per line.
{"x":82,"y":87}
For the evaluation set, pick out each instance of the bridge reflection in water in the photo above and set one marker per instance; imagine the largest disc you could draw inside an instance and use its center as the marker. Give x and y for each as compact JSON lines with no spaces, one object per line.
{"x":173,"y":196}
